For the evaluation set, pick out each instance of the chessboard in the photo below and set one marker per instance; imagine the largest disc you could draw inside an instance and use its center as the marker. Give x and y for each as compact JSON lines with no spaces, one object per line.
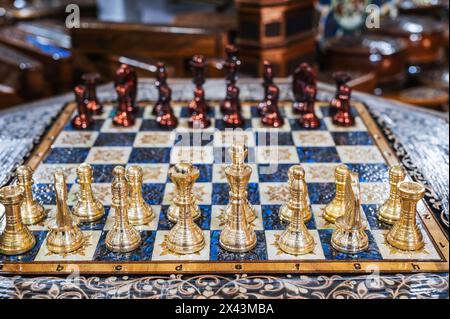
{"x":362,"y":148}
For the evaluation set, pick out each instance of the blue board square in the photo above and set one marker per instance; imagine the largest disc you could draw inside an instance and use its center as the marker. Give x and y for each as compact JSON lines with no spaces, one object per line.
{"x":152,"y":125}
{"x":153,"y":193}
{"x":143,"y":253}
{"x":102,"y":173}
{"x":67,"y":155}
{"x":318,"y":155}
{"x":28,"y":256}
{"x":220,"y":194}
{"x":321,"y":193}
{"x":257,"y":253}
{"x":45,"y":193}
{"x":272,"y":221}
{"x":375,"y":173}
{"x":279,"y":176}
{"x":115,"y":139}
{"x":371,"y":212}
{"x":154,"y":155}
{"x":373,"y":253}
{"x":352,"y":138}
{"x":188,"y":139}
{"x":98,"y":225}
{"x":274,"y":139}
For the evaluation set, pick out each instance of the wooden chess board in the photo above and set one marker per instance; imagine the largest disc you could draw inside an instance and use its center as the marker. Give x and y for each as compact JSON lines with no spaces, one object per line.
{"x":363,"y":148}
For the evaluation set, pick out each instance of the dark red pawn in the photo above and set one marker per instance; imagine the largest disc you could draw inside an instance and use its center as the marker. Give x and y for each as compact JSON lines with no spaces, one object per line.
{"x":165,"y":117}
{"x":93,"y":104}
{"x":199,"y":117}
{"x":304,"y":76}
{"x":344,"y":116}
{"x":83,"y":119}
{"x":233,"y":117}
{"x":341,"y":79}
{"x":125,"y":75}
{"x":271,"y":116}
{"x":309,"y":119}
{"x":123,"y":117}
{"x":268,"y":81}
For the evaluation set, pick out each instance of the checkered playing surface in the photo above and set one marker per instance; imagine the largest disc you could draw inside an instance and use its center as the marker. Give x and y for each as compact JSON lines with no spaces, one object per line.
{"x":319,"y":151}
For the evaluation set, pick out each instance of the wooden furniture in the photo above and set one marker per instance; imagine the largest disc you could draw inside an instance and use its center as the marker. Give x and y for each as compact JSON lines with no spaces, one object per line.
{"x":281,"y":31}
{"x":49,"y":44}
{"x":9,"y":96}
{"x":384,"y":56}
{"x":22,"y":74}
{"x":360,"y":81}
{"x":172,"y":45}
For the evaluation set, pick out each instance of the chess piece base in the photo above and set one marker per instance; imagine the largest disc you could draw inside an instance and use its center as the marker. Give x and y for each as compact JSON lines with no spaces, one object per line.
{"x":185,"y":240}
{"x":238,"y":241}
{"x":272,"y":119}
{"x":66,"y":240}
{"x":123,"y":240}
{"x":344,"y":119}
{"x":17,"y":243}
{"x":173,"y":212}
{"x":81,"y":122}
{"x":388,"y":214}
{"x":167,"y":120}
{"x":123,"y":119}
{"x":309,"y":121}
{"x":286,"y":214}
{"x":349,"y":241}
{"x":140,"y":215}
{"x":296,"y":242}
{"x":405,"y":238}
{"x":32,"y":214}
{"x":88,"y":213}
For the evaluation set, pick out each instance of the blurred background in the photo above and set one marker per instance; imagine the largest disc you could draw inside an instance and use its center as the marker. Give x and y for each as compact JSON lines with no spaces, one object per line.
{"x":392,"y":48}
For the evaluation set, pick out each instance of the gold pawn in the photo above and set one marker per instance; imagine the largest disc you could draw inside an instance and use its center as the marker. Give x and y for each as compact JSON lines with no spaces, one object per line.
{"x":32,"y":212}
{"x":389,"y":213}
{"x":139,"y":212}
{"x":238,"y":234}
{"x":405,"y":234}
{"x":185,"y":237}
{"x":238,"y":165}
{"x":123,"y":237}
{"x":296,"y":239}
{"x":350,"y":236}
{"x":65,"y":236}
{"x":298,"y":194}
{"x":336,"y":208}
{"x":88,"y":209}
{"x":16,"y":239}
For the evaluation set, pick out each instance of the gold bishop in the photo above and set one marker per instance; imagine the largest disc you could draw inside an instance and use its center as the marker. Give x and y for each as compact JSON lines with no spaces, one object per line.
{"x":123,"y":237}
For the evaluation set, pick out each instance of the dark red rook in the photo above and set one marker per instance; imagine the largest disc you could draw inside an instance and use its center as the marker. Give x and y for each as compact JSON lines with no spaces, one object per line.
{"x":272,"y":116}
{"x":83,"y":119}
{"x":123,"y":117}
{"x":91,"y":81}
{"x":344,"y":116}
{"x":341,"y":79}
{"x":309,"y":119}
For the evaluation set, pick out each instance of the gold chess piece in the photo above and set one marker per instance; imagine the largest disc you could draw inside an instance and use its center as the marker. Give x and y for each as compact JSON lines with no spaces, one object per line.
{"x":298,"y":194}
{"x":350,"y":236}
{"x":238,"y":165}
{"x":139,"y":212}
{"x":238,"y":234}
{"x":389,"y":213}
{"x":336,"y":208}
{"x":65,"y":236}
{"x":173,"y":213}
{"x":185,"y":237}
{"x":32,"y":212}
{"x":296,"y":239}
{"x":123,"y":237}
{"x":16,"y":239}
{"x":405,"y":234}
{"x":88,"y":209}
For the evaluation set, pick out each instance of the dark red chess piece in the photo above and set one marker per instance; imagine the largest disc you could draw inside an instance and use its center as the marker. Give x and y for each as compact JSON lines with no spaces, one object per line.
{"x":123,"y":117}
{"x":271,"y":115}
{"x":231,"y":66}
{"x":344,"y":116}
{"x":125,"y":75}
{"x":93,"y":104}
{"x":268,"y":81}
{"x":83,"y":119}
{"x":165,"y":117}
{"x":234,"y":117}
{"x":304,"y":76}
{"x":309,"y":118}
{"x":161,"y":81}
{"x":340,"y":78}
{"x":198,"y":67}
{"x":199,"y":117}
